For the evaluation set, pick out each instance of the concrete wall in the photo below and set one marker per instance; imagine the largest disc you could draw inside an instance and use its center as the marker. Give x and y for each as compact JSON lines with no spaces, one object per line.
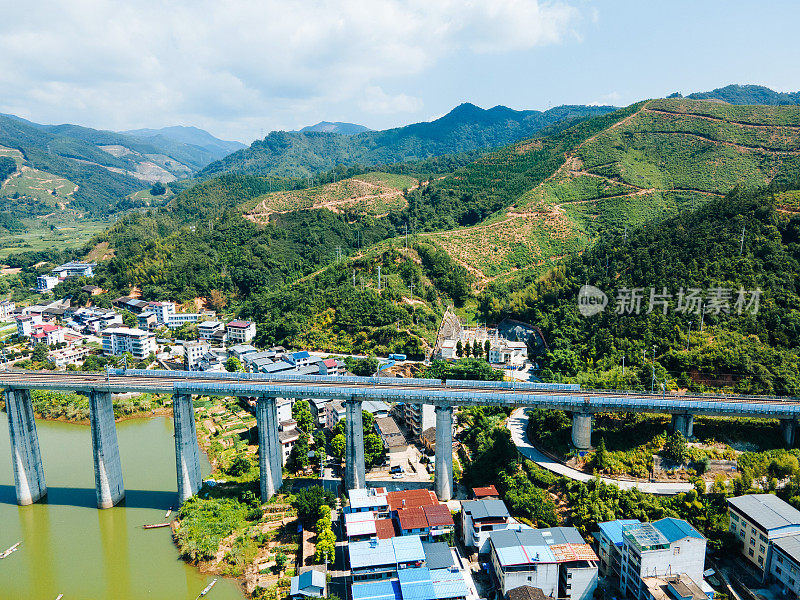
{"x":582,"y":582}
{"x":105,"y":451}
{"x":187,"y":451}
{"x":25,"y":456}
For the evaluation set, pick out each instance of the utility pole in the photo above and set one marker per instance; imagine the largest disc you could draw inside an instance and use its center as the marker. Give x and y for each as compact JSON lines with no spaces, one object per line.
{"x":338,"y":253}
{"x":687,"y":336}
{"x":379,"y":278}
{"x":412,"y":290}
{"x":623,"y":365}
{"x":702,"y":314}
{"x":406,"y":235}
{"x":653,"y":366}
{"x":354,"y":279}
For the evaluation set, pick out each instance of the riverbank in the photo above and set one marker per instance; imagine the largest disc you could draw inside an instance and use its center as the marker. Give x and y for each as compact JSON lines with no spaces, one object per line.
{"x":74,"y":408}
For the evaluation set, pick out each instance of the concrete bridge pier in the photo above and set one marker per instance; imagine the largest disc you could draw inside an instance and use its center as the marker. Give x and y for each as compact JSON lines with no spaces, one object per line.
{"x":25,"y":456}
{"x":684,"y":424}
{"x":187,"y":451}
{"x":105,"y":450}
{"x":270,"y":458}
{"x":443,"y":468}
{"x":355,"y":474}
{"x":582,"y":430}
{"x":789,"y":432}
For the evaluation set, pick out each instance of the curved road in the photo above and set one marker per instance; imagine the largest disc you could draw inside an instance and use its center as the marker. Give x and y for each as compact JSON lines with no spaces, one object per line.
{"x":518,"y":425}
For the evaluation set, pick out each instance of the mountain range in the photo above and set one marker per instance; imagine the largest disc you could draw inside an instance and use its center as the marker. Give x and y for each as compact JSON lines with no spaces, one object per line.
{"x":335,"y":127}
{"x":467,"y":128}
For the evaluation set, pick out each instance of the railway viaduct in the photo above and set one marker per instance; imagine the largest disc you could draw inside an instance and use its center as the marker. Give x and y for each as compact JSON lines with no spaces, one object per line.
{"x":182,"y":385}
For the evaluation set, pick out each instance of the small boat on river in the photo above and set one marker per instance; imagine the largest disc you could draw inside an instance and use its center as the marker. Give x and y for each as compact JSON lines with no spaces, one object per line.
{"x":10,"y":550}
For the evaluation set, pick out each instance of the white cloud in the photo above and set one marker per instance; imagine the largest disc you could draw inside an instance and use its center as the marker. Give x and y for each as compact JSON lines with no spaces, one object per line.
{"x":376,"y":101}
{"x":235,"y":67}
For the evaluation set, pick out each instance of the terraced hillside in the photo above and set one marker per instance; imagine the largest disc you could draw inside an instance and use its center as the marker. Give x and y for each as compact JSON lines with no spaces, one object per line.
{"x":663,"y":156}
{"x":374,"y":194}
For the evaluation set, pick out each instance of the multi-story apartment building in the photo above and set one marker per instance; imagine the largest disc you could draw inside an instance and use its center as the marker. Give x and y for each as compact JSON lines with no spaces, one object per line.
{"x":479,"y":518}
{"x":416,"y":418}
{"x":207,"y":329}
{"x":556,"y":560}
{"x":119,"y":340}
{"x":609,"y":546}
{"x":75,"y":269}
{"x":758,"y":521}
{"x":241,"y":332}
{"x":665,"y":547}
{"x":193,"y":353}
{"x":6,"y":310}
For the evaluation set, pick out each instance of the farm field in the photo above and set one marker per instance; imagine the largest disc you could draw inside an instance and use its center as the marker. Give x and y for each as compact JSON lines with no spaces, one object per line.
{"x":67,"y":232}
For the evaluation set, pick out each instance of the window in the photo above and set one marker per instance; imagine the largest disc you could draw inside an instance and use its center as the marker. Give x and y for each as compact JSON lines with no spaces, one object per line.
{"x":761,"y":560}
{"x":752,"y":541}
{"x":676,"y":550}
{"x":734,"y":517}
{"x":761,"y":549}
{"x":763,"y":538}
{"x":750,"y":552}
{"x":777,"y":571}
{"x":780,"y":559}
{"x":791,"y":581}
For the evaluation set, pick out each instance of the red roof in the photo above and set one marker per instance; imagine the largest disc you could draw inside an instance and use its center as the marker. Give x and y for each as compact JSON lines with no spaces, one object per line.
{"x":485,"y":492}
{"x":438,"y":515}
{"x":239,"y":324}
{"x":384,"y":528}
{"x":410,"y":499}
{"x":412,"y":518}
{"x":331,"y":362}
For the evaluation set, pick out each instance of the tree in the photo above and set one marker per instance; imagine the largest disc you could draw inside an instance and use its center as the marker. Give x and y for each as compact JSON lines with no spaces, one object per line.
{"x":299,"y":455}
{"x":233,"y":365}
{"x":373,"y":449}
{"x":601,"y":458}
{"x":280,"y":561}
{"x":326,"y":546}
{"x":676,"y":448}
{"x":487,"y":349}
{"x":308,"y":502}
{"x":338,"y":444}
{"x":459,"y":349}
{"x":129,"y":319}
{"x":301,"y":412}
{"x":467,"y":349}
{"x":158,"y":189}
{"x":240,"y":465}
{"x":40,"y":352}
{"x":477,"y":349}
{"x":363,"y":367}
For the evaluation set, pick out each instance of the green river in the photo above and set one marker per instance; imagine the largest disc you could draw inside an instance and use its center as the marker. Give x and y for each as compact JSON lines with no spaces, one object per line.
{"x":70,"y":547}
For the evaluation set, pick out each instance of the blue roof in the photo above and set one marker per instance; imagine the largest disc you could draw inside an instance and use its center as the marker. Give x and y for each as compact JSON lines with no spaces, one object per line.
{"x":613,"y":529}
{"x":448,"y":584}
{"x":371,"y":553}
{"x":300,"y":354}
{"x":376,"y":590}
{"x":408,"y":549}
{"x":311,"y":578}
{"x":415,"y":584}
{"x":677,"y":529}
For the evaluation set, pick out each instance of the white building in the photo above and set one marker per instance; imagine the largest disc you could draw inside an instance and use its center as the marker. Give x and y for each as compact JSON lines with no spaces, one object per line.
{"x":207,"y":329}
{"x":6,"y":310}
{"x":74,"y":269}
{"x":241,"y":332}
{"x":508,"y":353}
{"x":47,"y":334}
{"x":758,"y":520}
{"x":176,"y":320}
{"x":26,"y":323}
{"x":417,"y":418}
{"x":193,"y":353}
{"x":46,"y":283}
{"x":119,"y":340}
{"x":479,"y":518}
{"x":665,"y":547}
{"x":288,"y":435}
{"x":69,"y":356}
{"x":162,"y":310}
{"x":556,"y":560}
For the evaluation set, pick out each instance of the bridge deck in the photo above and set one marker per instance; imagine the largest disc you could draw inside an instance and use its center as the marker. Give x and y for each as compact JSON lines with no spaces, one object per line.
{"x":452,"y":393}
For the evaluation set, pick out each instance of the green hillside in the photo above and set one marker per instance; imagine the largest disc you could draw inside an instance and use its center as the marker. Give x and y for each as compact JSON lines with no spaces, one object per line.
{"x":466,"y":128}
{"x":745,"y":241}
{"x":652,"y":159}
{"x":748,"y":94}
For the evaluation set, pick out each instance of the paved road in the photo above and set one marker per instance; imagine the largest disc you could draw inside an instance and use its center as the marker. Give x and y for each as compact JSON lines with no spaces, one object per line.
{"x":518,"y":424}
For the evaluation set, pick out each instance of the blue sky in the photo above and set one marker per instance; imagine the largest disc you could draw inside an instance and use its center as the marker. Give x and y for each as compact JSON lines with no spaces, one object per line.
{"x":240,"y":69}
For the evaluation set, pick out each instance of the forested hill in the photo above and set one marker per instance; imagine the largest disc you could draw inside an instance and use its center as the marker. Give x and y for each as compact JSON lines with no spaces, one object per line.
{"x":748,"y":240}
{"x":90,"y":170}
{"x":748,"y":94}
{"x":551,"y":197}
{"x":466,"y":128}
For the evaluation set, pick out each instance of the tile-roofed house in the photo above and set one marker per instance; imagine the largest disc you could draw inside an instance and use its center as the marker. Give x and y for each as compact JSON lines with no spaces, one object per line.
{"x":384,"y":529}
{"x":410,"y":499}
{"x":428,"y":439}
{"x":440,"y":521}
{"x":377,"y":408}
{"x":488,"y":491}
{"x":526,"y":592}
{"x":412,"y":521}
